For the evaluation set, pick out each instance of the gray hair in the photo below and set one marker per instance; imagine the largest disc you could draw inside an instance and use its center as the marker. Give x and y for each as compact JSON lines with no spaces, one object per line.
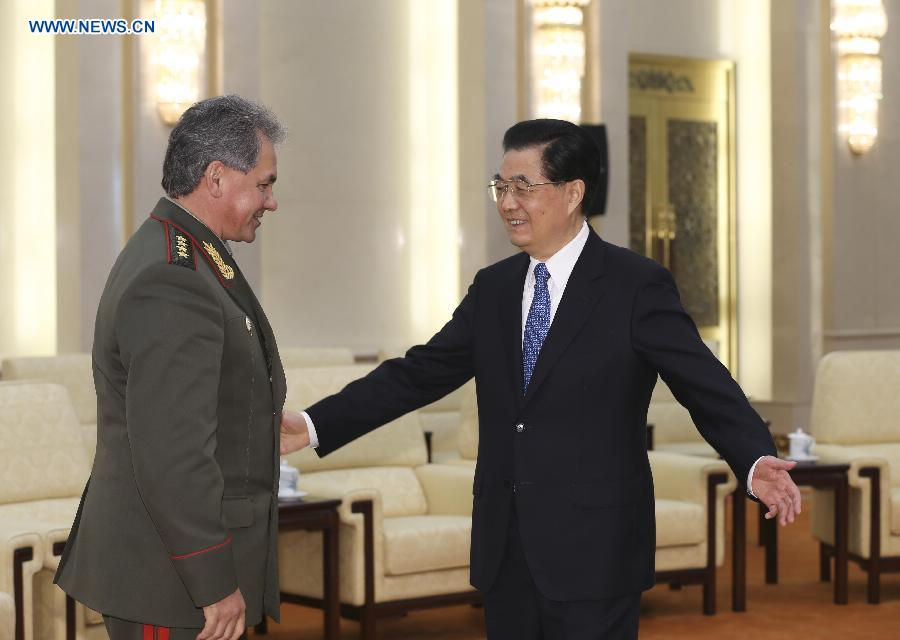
{"x":224,"y":128}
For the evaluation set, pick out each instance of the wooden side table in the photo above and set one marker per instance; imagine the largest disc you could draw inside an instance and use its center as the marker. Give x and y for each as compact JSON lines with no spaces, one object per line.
{"x":317,"y":514}
{"x":811,"y":474}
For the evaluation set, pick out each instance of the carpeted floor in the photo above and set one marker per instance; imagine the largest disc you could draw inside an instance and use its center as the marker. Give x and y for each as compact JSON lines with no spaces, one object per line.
{"x":798,"y":608}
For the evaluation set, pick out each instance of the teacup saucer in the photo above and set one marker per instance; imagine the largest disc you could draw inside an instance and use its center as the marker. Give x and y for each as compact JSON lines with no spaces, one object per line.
{"x":802,"y":458}
{"x":291,"y":494}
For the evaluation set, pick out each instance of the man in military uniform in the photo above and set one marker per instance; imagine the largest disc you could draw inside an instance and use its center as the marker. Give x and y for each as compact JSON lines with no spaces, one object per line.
{"x":177,"y":527}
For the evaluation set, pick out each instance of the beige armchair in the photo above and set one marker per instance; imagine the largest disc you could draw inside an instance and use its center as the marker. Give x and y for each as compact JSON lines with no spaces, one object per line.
{"x":7,"y":617}
{"x":405,"y":525}
{"x":43,"y":469}
{"x":690,"y":519}
{"x":74,"y":372}
{"x":672,"y":427}
{"x":856,"y":420}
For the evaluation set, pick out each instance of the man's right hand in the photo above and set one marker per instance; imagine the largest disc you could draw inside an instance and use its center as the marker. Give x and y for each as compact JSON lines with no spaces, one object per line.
{"x":294,"y":432}
{"x":225,"y":618}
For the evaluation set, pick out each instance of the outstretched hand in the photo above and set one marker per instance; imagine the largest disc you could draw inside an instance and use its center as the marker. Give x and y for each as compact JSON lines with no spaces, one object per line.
{"x":294,"y":432}
{"x":773,"y":485}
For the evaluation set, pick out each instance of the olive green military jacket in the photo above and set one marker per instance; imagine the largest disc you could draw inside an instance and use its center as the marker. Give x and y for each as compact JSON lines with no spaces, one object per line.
{"x":181,"y":506}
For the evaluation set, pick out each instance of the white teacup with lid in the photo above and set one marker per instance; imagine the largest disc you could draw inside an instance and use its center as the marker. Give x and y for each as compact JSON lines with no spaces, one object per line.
{"x":801,"y":445}
{"x":287,"y":481}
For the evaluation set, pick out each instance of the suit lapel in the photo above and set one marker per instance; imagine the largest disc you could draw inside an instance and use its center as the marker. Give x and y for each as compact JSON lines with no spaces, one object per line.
{"x":581,"y":295}
{"x":511,"y":321}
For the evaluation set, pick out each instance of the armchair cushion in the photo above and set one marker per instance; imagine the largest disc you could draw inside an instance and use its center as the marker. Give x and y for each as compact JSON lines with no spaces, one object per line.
{"x":679,"y":523}
{"x":414,"y":544}
{"x":73,"y":371}
{"x":42,"y":451}
{"x":448,"y":488}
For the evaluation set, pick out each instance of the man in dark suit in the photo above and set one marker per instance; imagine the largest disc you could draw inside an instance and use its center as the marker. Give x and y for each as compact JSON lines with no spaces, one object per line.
{"x":565,"y":341}
{"x":177,"y":528}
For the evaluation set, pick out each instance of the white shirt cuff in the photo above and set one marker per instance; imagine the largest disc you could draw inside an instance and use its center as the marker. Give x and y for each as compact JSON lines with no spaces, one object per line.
{"x":749,"y":475}
{"x":314,"y":439}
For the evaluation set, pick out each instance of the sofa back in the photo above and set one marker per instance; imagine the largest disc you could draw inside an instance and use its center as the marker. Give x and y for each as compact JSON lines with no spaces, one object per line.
{"x":857,"y":398}
{"x":41,"y":451}
{"x":71,"y":370}
{"x":671,"y":422}
{"x":399,"y":443}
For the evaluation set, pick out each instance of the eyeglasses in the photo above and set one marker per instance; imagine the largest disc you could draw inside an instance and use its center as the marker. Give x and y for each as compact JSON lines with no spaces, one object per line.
{"x":518,"y":188}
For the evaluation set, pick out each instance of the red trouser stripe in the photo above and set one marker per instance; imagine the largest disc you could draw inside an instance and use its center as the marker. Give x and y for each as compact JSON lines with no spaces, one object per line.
{"x":148,"y":632}
{"x":162,"y":633}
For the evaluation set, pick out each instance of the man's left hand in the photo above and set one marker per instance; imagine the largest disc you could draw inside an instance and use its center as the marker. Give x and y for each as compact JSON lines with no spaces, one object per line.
{"x":773,"y":485}
{"x":294,"y":432}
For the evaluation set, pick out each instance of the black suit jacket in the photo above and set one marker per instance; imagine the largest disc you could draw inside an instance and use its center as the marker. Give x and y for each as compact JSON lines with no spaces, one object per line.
{"x":571,"y":451}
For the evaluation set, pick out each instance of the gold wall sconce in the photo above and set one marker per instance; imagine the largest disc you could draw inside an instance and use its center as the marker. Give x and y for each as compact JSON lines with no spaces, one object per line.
{"x":557,"y":58}
{"x":178,"y":56}
{"x":857,"y":26}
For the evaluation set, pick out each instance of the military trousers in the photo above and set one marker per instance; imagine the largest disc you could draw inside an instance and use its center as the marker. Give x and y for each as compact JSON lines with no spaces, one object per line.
{"x":119,"y":629}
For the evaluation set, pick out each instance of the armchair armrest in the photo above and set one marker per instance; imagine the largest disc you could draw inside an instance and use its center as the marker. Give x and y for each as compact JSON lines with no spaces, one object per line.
{"x":21,"y":557}
{"x":858,"y":460}
{"x":870,"y":495}
{"x":360,"y":548}
{"x":682,"y":477}
{"x":7,"y":617}
{"x":448,"y":488}
{"x":343,"y":487}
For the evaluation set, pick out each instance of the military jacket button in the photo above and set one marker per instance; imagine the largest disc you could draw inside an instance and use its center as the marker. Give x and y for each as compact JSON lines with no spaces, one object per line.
{"x":520,"y":428}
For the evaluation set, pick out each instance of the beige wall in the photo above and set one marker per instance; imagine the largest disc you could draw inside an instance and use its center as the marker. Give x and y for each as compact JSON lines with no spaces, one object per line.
{"x":28,"y":187}
{"x":720,"y":29}
{"x":338,"y":72}
{"x":862,"y":260}
{"x":834,"y":213}
{"x":338,"y":262}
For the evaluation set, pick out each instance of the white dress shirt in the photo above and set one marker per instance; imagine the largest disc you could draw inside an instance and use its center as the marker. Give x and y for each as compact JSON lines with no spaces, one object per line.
{"x":559,"y":266}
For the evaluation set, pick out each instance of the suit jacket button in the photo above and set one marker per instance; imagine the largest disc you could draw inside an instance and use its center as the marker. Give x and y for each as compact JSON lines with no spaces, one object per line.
{"x":520,"y":428}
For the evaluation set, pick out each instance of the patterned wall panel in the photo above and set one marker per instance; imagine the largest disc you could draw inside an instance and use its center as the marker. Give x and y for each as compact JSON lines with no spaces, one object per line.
{"x":637,"y":176}
{"x":692,"y":185}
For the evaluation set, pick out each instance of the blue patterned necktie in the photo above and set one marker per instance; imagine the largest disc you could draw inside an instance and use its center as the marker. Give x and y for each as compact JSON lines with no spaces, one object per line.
{"x":538,"y":323}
